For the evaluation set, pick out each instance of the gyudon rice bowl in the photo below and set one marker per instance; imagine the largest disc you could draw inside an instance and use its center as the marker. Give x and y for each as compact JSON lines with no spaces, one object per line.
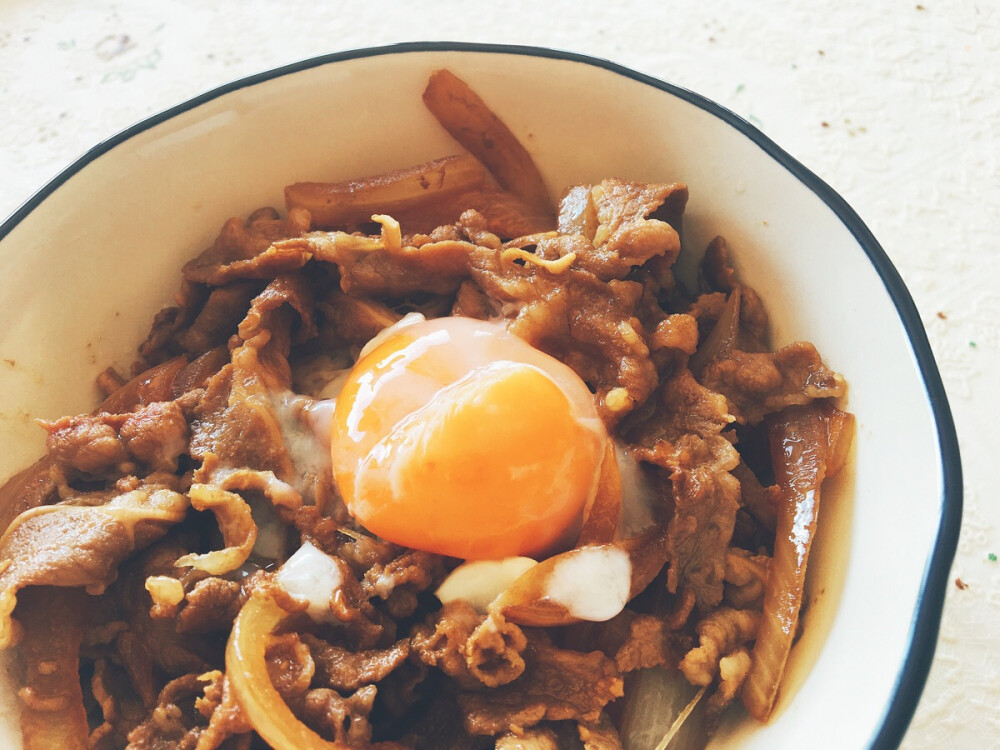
{"x":424,"y":460}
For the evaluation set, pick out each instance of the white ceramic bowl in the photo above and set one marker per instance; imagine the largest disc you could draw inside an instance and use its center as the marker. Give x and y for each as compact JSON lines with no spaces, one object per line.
{"x":89,"y":259}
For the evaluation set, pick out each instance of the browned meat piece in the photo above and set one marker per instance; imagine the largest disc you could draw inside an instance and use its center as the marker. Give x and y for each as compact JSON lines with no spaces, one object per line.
{"x":678,"y":332}
{"x":70,"y":544}
{"x":120,"y":707}
{"x":290,"y":666}
{"x":648,"y":643}
{"x":684,"y":436}
{"x":471,"y":225}
{"x":715,"y":270}
{"x":706,"y":309}
{"x":634,"y":641}
{"x":719,"y":634}
{"x":156,"y":434}
{"x":228,"y":728}
{"x":244,"y":249}
{"x":151,"y":646}
{"x":238,"y":399}
{"x":399,"y":581}
{"x":681,"y":406}
{"x":352,"y":320}
{"x":211,"y":605}
{"x":192,"y":710}
{"x":283,"y":293}
{"x":357,"y":550}
{"x":346,"y":670}
{"x":441,"y":641}
{"x":706,"y":498}
{"x":599,"y":735}
{"x":343,"y":719}
{"x":588,"y":324}
{"x":556,"y":685}
{"x":103,"y":444}
{"x":161,"y":341}
{"x":717,"y":274}
{"x":472,"y":302}
{"x":506,"y":215}
{"x":218,"y":318}
{"x":493,"y":651}
{"x":761,"y":501}
{"x":754,"y":323}
{"x":370,"y":266}
{"x":756,"y":384}
{"x":171,"y":725}
{"x":469,"y":647}
{"x":86,"y":445}
{"x":438,"y":725}
{"x":623,"y":224}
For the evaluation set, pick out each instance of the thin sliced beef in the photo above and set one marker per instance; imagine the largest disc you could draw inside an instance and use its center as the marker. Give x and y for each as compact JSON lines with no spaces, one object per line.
{"x":757,"y":384}
{"x":574,"y":316}
{"x":557,"y":684}
{"x":345,"y":670}
{"x":76,"y":544}
{"x":244,"y":249}
{"x":624,"y":223}
{"x":706,"y":498}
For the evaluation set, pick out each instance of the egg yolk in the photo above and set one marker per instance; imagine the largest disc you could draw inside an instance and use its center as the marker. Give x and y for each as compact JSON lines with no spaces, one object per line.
{"x":456,"y":437}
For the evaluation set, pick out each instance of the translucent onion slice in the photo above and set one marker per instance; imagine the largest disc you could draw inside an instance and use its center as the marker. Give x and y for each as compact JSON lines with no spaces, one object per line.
{"x":804,"y":441}
{"x":246,"y":668}
{"x":239,"y":532}
{"x":660,"y":712}
{"x":723,"y":337}
{"x":479,"y":582}
{"x":591,"y":583}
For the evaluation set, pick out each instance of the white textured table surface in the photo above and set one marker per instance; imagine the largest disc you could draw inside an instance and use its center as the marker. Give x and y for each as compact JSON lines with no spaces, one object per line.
{"x":895,"y":104}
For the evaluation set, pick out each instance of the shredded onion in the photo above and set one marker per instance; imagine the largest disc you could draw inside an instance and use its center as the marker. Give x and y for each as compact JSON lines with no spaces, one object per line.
{"x":239,"y":532}
{"x":246,"y":668}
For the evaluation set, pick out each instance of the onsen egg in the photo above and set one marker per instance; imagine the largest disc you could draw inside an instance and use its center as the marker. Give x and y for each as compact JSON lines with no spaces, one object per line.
{"x":456,"y":437}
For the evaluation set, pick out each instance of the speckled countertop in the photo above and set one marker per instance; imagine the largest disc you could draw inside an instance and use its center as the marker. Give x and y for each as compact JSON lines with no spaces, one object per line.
{"x":894,"y":103}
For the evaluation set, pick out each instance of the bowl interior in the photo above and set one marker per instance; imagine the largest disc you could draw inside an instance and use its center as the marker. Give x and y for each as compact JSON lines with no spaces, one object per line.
{"x":83,"y":273}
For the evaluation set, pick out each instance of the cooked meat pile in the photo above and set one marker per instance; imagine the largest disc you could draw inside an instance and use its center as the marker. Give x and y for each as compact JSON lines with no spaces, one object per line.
{"x":158,"y":521}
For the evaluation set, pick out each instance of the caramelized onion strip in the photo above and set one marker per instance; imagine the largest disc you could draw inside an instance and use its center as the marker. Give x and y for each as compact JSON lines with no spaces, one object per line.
{"x":802,"y":444}
{"x":52,"y":712}
{"x":349,"y":203}
{"x":465,"y":115}
{"x":246,"y":669}
{"x":723,"y":337}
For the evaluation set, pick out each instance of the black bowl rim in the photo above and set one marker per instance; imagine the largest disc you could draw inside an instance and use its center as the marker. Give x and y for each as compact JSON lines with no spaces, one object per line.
{"x":930,"y":599}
